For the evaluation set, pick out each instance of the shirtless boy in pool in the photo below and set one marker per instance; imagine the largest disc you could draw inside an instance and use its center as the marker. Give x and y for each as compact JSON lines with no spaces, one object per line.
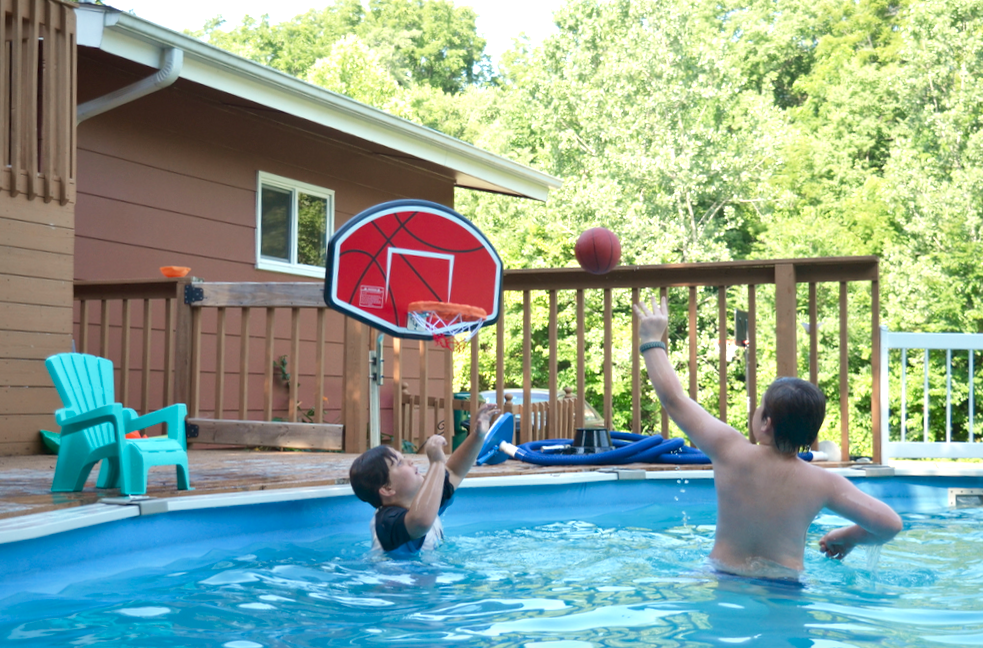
{"x":766,"y":495}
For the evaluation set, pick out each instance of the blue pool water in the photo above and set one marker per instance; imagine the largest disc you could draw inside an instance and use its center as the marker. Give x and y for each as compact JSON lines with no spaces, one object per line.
{"x":613,"y":564}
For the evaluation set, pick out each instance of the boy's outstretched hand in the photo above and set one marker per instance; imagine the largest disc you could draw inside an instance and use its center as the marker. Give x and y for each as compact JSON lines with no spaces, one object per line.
{"x":839,"y":542}
{"x":485,"y":414}
{"x":434,"y":449}
{"x":464,"y":457}
{"x":652,"y":324}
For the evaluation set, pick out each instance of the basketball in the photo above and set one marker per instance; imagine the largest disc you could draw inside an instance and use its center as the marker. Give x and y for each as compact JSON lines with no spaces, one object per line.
{"x":598,"y":250}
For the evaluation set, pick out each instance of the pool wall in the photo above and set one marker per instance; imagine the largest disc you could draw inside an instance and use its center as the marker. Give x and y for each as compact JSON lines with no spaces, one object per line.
{"x":44,"y":552}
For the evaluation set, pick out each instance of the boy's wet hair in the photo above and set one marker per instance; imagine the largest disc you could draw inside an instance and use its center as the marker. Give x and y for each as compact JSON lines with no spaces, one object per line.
{"x":370,"y":472}
{"x":796,"y":408}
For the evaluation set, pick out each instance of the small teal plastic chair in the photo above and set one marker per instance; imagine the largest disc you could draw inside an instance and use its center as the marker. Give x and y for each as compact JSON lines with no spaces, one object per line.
{"x":94,"y":428}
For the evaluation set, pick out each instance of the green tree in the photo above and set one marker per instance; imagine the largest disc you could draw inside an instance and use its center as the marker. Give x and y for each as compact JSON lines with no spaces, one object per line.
{"x":429,"y":42}
{"x":435,"y":42}
{"x":647,"y":118}
{"x":353,"y":69}
{"x":935,"y":172}
{"x":843,"y":123}
{"x":291,"y":46}
{"x":699,"y":130}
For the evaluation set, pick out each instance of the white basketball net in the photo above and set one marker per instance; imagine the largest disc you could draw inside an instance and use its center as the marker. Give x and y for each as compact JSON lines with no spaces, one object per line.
{"x":450,"y":331}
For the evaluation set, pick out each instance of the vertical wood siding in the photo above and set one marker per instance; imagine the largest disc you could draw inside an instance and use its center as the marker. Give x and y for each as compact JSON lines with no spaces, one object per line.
{"x":37,"y":90}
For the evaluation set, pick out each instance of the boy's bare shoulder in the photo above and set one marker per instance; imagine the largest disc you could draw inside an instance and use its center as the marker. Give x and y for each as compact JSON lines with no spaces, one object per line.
{"x":761,"y":457}
{"x":730,"y":445}
{"x":825,"y":485}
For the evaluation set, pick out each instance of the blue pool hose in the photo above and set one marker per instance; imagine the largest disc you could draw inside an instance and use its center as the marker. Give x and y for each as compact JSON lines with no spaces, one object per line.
{"x":628,"y":448}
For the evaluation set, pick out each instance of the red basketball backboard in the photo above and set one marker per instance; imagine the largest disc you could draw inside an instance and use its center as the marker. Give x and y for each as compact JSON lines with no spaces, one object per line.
{"x":405,"y":251}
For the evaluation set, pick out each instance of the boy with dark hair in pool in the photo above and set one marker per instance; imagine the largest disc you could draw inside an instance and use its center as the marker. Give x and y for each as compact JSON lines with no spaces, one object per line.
{"x":766,"y":495}
{"x":408,"y":505}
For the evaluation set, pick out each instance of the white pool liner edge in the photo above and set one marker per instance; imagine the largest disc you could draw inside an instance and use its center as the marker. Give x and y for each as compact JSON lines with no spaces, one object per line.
{"x":27,"y":527}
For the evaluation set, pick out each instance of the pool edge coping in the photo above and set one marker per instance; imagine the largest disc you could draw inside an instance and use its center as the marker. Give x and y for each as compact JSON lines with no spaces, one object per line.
{"x":111,"y":509}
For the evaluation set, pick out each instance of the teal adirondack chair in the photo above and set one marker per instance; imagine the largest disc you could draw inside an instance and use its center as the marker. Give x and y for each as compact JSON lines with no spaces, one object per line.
{"x":94,"y":428}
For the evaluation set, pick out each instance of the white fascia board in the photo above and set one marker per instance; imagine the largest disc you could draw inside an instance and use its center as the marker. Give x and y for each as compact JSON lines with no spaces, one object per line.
{"x":140,"y":41}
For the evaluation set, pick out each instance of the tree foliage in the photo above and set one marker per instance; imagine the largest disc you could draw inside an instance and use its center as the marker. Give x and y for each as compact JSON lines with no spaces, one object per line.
{"x":429,"y":42}
{"x":699,"y":130}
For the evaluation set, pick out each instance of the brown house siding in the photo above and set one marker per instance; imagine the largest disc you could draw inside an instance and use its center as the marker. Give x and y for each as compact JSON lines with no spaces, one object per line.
{"x":37,"y":194}
{"x":171,"y":179}
{"x":35,"y":315}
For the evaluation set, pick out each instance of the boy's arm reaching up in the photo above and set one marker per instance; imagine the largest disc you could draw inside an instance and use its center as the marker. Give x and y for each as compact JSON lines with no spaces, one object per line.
{"x":875,"y":521}
{"x":710,"y":434}
{"x":467,"y":453}
{"x":426,"y":504}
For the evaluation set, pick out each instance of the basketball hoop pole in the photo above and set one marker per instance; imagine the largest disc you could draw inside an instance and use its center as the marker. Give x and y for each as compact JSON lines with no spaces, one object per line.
{"x":375,"y":382}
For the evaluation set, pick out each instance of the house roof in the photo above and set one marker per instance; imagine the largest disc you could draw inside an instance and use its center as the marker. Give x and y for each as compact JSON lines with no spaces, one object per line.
{"x":135,"y":39}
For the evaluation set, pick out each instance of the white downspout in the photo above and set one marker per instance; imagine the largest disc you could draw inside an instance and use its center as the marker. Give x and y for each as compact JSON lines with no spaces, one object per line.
{"x":170,"y":70}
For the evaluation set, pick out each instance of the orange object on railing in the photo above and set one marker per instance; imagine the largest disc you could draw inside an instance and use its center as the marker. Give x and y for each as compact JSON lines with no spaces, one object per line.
{"x":174,"y":271}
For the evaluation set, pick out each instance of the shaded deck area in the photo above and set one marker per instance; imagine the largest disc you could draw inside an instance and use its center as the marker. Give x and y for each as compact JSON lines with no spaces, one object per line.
{"x":26,"y":486}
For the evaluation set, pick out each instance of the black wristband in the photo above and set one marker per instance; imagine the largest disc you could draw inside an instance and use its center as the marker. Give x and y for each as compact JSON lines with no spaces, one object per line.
{"x":653,"y":345}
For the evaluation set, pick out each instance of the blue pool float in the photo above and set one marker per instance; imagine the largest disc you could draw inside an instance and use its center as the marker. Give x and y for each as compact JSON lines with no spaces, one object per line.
{"x":500,"y":432}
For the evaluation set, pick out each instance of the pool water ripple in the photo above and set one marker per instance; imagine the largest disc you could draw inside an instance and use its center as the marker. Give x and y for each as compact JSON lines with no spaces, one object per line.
{"x":571,"y":584}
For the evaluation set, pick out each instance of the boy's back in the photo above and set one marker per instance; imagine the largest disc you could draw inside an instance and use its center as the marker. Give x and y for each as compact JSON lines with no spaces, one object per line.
{"x":766,"y":495}
{"x":766,"y":502}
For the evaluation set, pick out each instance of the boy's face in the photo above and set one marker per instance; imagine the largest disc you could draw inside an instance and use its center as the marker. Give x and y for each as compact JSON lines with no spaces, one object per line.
{"x":404,"y":477}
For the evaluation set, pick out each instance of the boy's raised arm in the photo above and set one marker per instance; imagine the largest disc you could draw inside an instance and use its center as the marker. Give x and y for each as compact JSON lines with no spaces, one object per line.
{"x":425,"y":506}
{"x":708,"y":433}
{"x":874,"y":521}
{"x":466,"y":454}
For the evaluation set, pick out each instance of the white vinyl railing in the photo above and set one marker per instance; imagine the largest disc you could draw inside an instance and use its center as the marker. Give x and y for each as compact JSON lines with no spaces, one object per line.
{"x":908,"y":448}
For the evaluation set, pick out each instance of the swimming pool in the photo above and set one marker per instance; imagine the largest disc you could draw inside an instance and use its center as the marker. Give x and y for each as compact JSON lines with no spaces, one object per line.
{"x":567,"y":561}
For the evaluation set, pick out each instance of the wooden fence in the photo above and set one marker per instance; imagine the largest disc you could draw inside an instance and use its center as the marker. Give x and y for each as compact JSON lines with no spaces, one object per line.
{"x":184,"y":346}
{"x":37,"y":99}
{"x":258,"y":364}
{"x":419,"y":423}
{"x":786,"y":276}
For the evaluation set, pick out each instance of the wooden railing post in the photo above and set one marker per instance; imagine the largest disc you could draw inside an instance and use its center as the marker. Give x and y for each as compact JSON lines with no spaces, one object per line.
{"x":473,"y":391}
{"x":722,"y":351}
{"x":424,"y":391}
{"x":844,"y":376}
{"x":752,"y":358}
{"x":786,"y":335}
{"x":355,"y":411}
{"x":875,"y":368}
{"x":182,"y":344}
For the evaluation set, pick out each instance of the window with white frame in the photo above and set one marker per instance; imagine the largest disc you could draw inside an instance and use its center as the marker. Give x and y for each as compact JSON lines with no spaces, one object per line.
{"x":294,"y":222}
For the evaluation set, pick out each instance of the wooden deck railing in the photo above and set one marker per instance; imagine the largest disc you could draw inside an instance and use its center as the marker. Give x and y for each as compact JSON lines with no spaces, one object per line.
{"x":239,"y":363}
{"x":104,"y":326}
{"x":544,"y":423}
{"x":747,"y":278}
{"x":258,"y":364}
{"x":37,"y":99}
